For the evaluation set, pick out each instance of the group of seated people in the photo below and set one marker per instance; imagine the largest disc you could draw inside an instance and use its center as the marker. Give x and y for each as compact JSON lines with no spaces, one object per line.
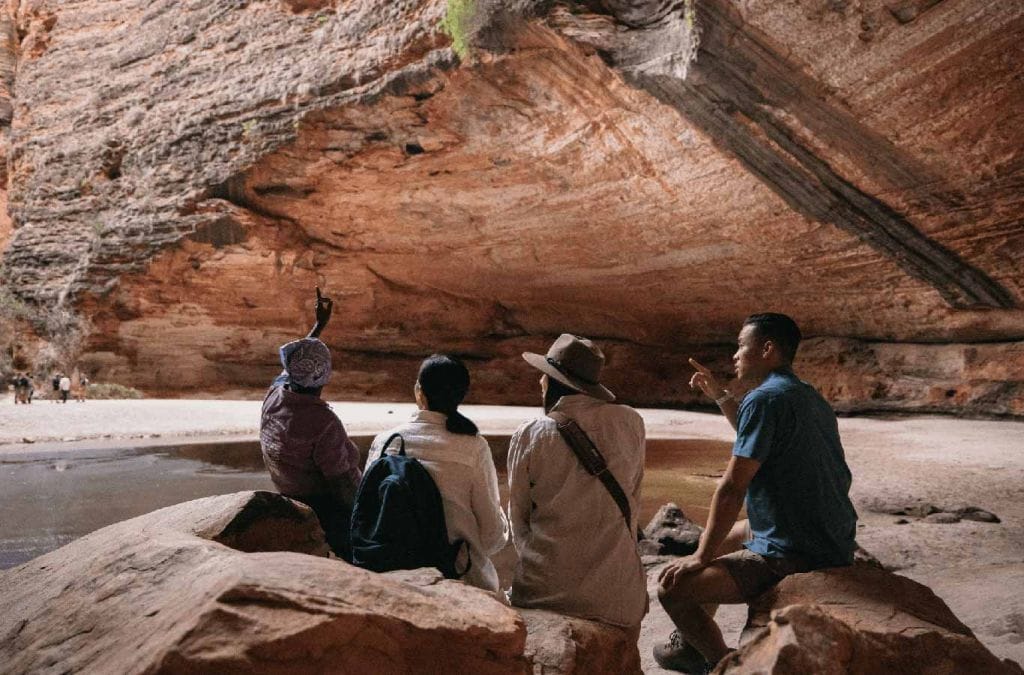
{"x":574,"y":478}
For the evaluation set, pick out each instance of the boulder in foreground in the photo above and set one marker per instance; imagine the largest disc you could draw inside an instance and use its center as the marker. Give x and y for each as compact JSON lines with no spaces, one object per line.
{"x":563,"y":644}
{"x":241,"y":583}
{"x":159,"y":594}
{"x":858,"y":619}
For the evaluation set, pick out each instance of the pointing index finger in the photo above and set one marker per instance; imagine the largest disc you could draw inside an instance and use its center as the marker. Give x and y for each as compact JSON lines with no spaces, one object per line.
{"x":700,"y":369}
{"x":318,"y":296}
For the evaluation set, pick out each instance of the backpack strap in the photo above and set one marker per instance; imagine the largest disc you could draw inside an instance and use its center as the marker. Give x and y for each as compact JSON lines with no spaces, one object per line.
{"x":592,"y":460}
{"x":401,"y":446}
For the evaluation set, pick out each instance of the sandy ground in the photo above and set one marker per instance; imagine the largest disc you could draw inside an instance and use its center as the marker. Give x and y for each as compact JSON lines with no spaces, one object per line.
{"x":977,"y":568}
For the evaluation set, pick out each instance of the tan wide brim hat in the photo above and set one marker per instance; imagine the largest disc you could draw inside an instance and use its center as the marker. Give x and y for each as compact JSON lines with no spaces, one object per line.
{"x":575,"y":362}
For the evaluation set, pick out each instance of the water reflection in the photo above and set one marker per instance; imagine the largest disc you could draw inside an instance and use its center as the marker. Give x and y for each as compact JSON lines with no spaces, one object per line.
{"x":47,"y":500}
{"x":50,"y":499}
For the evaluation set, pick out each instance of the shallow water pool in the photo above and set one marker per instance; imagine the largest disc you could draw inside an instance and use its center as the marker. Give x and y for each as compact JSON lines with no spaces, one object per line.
{"x":48,"y":499}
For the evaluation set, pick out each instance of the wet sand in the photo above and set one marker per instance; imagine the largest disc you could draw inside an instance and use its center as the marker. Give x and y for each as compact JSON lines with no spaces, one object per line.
{"x":977,"y":568}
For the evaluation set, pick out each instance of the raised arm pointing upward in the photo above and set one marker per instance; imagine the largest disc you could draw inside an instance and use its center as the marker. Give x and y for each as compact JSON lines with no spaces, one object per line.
{"x":324,"y":307}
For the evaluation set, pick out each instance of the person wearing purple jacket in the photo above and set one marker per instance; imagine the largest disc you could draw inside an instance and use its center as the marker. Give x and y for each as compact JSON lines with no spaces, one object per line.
{"x":305,"y":447}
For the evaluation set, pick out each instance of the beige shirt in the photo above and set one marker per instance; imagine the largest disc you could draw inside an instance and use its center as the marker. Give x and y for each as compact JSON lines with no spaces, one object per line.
{"x":463,"y":470}
{"x":576,"y":555}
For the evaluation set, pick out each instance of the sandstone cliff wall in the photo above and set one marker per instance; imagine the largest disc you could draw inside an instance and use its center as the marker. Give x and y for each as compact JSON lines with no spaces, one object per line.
{"x":184,"y":173}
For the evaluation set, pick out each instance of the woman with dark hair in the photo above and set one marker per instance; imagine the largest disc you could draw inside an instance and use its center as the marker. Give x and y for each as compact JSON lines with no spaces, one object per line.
{"x":459,"y":460}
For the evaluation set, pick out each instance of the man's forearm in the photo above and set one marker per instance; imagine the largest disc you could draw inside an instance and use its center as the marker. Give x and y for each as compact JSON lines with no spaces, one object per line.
{"x":317,"y":328}
{"x":725,"y":508}
{"x":519,"y":500}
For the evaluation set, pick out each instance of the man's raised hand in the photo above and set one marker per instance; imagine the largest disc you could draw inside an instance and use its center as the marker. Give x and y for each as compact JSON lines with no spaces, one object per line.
{"x":705,"y":381}
{"x":324,"y":307}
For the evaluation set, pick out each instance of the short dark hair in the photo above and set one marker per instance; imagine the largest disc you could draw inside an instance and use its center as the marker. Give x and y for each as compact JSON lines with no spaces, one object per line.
{"x":780,"y":329}
{"x":556,"y":390}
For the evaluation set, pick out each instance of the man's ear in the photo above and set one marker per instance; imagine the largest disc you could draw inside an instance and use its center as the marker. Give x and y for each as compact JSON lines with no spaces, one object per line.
{"x":768,"y":349}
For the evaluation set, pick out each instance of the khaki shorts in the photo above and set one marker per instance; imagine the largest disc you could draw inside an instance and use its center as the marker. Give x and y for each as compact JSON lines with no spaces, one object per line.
{"x":754,"y":573}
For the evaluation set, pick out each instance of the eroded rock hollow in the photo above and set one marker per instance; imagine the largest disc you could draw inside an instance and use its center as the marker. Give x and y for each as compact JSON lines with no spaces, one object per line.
{"x":477,"y":179}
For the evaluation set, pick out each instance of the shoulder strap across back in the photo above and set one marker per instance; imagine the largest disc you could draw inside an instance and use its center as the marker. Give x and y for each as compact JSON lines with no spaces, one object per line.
{"x":592,"y":460}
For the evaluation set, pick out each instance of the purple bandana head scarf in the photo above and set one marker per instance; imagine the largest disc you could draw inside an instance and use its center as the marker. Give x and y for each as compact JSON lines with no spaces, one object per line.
{"x":307,"y":362}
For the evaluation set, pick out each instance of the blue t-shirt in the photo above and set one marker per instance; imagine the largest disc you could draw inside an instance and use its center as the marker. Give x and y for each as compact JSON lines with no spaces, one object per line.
{"x":798,"y":501}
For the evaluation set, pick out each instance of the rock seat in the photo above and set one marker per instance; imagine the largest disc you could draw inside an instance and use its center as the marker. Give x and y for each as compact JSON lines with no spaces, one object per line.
{"x":858,"y":619}
{"x":240,"y":583}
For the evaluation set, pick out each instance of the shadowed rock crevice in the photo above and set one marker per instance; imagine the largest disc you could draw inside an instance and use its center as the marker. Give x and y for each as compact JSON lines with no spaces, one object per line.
{"x":270,"y":522}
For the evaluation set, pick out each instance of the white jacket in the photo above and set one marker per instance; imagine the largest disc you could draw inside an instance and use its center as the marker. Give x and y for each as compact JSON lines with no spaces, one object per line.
{"x":463,"y":469}
{"x":576,"y":554}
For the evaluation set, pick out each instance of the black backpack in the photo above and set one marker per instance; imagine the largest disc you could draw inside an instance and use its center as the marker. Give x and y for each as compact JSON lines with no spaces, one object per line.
{"x":398,"y":518}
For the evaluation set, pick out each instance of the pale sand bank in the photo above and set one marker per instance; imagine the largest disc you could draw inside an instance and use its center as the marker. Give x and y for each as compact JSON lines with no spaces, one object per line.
{"x":46,"y":422}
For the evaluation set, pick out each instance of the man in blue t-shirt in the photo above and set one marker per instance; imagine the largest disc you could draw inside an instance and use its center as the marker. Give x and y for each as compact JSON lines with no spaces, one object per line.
{"x":788,"y":466}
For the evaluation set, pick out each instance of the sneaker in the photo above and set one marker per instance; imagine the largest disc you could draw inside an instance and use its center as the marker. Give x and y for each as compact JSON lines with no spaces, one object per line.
{"x":677,"y":654}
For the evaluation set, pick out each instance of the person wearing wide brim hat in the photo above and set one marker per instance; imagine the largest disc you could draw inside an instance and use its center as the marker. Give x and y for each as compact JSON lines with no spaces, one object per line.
{"x":576,"y":543}
{"x":575,"y":362}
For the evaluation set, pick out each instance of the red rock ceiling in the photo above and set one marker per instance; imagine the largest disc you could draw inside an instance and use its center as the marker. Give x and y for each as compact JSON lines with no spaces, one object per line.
{"x":858,"y":171}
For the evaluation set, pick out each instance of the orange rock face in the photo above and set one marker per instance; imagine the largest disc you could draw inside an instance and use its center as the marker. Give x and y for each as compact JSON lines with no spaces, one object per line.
{"x":858,"y":167}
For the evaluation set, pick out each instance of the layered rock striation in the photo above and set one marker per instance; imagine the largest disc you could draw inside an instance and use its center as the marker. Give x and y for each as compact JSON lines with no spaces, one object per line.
{"x":856,"y":165}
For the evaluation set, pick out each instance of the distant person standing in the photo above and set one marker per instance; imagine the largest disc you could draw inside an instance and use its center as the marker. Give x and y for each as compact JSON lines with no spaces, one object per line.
{"x":83,"y":386}
{"x":56,"y":386}
{"x":18,"y":388}
{"x":65,"y":388}
{"x":305,"y":447}
{"x":31,"y":387}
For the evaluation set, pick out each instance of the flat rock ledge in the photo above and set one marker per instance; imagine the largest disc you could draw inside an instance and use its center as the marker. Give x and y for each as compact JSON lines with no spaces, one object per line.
{"x":858,"y":619}
{"x":241,"y":583}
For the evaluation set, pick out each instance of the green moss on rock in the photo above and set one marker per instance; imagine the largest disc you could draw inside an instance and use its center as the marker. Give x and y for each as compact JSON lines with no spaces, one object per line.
{"x":457,"y":24}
